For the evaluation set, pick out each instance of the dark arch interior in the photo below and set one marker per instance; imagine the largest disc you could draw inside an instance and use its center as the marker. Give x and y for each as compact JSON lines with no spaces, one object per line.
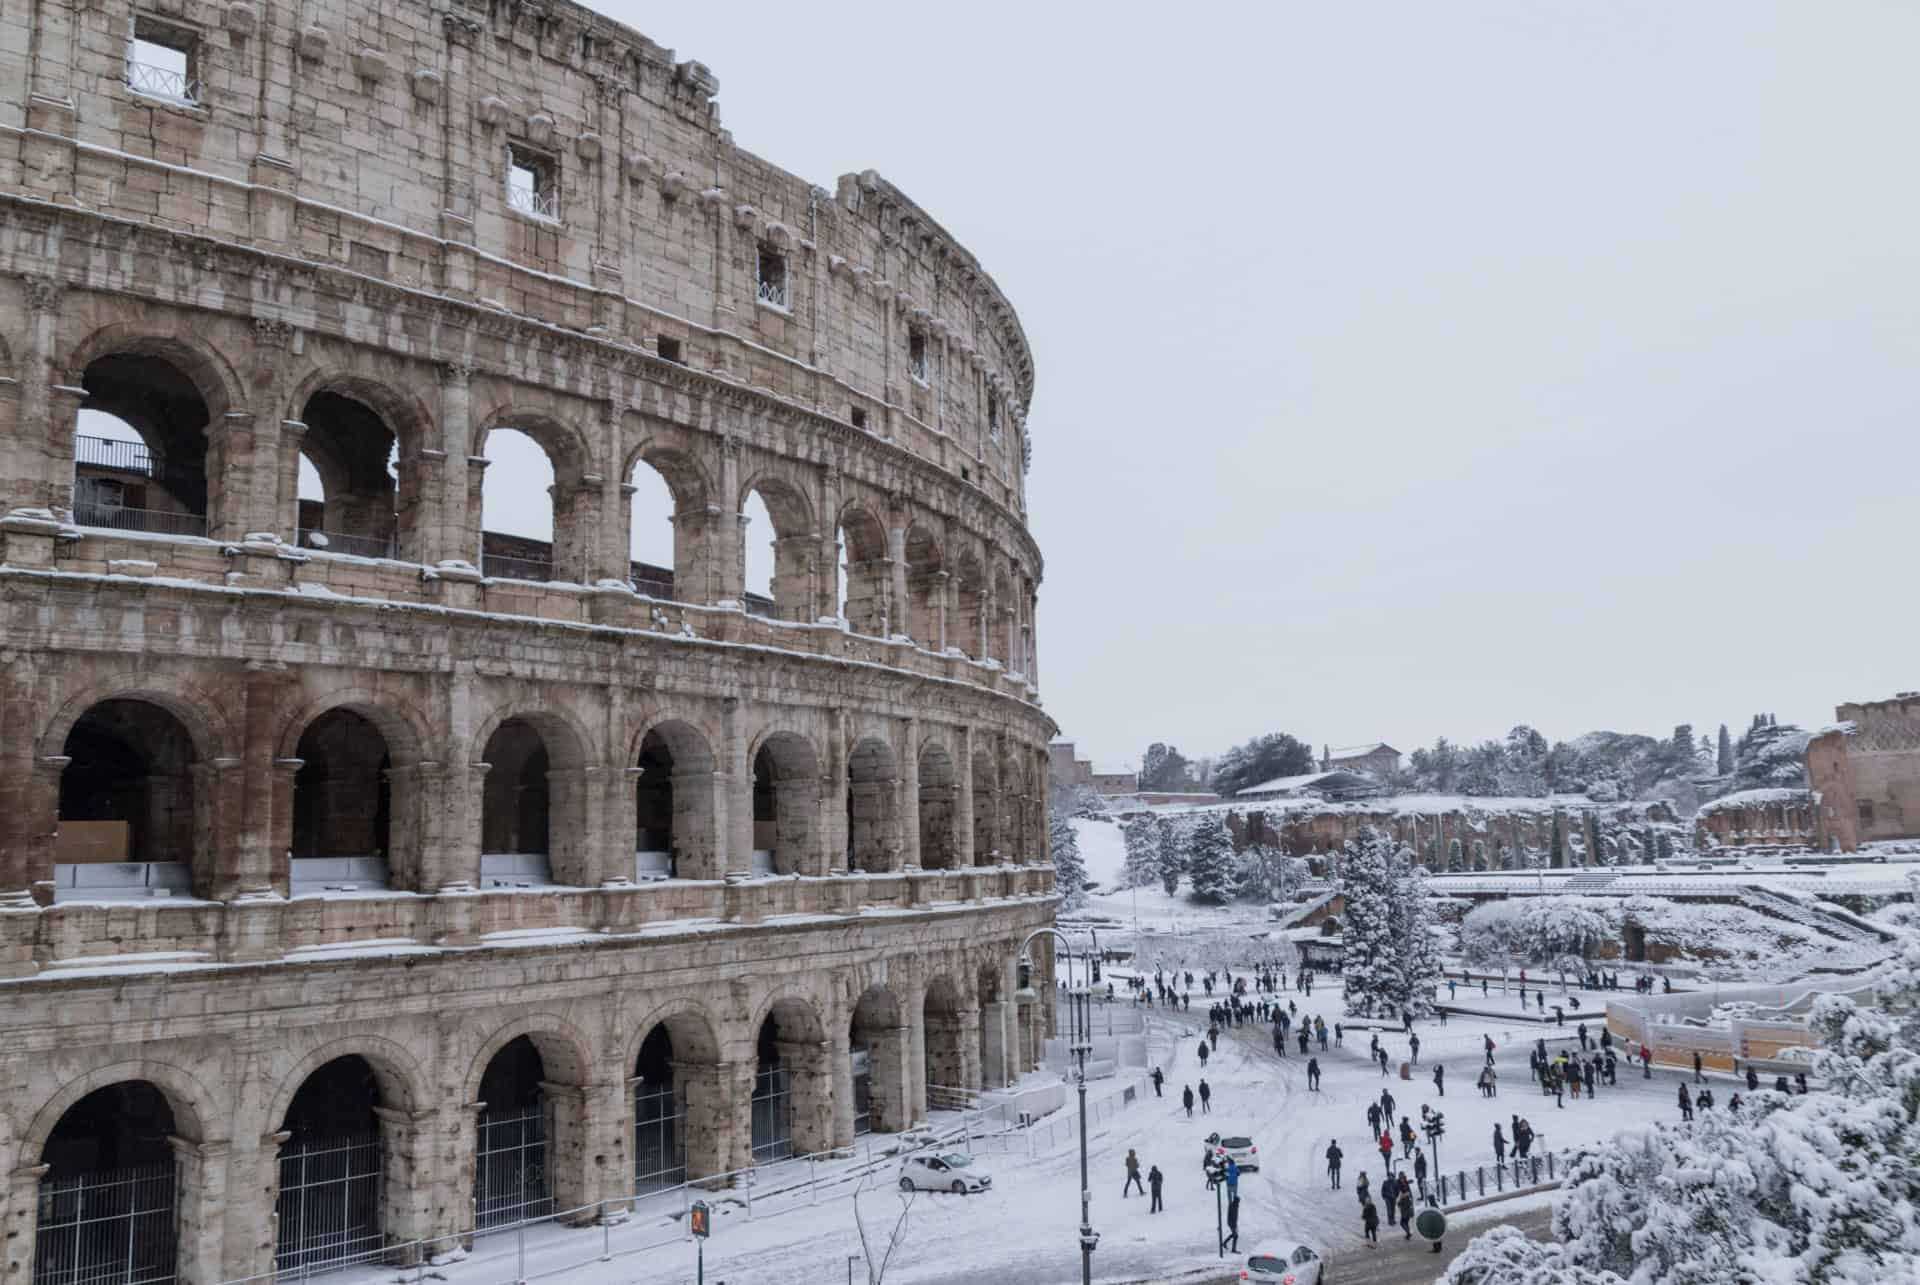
{"x":342,"y":802}
{"x":869,"y":777}
{"x":515,"y":807}
{"x":357,"y":458}
{"x":163,"y":486}
{"x":772,"y":1104}
{"x":131,"y":765}
{"x":512,"y":1080}
{"x":653,"y":797}
{"x":336,"y":1100}
{"x":659,"y":1144}
{"x":122,"y":1126}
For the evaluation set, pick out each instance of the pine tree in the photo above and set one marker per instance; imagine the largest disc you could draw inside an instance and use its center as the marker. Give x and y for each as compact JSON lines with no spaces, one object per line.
{"x":1069,"y":869}
{"x":1170,"y":861}
{"x":1210,"y":865}
{"x":1423,"y":970}
{"x":1455,"y":862}
{"x":1143,"y":848}
{"x":1648,"y":848}
{"x":1371,"y":959}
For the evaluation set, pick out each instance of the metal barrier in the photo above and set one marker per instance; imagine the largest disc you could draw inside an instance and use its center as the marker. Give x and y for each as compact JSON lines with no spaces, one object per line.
{"x":152,"y":521}
{"x":328,"y":1210}
{"x":117,"y":1227}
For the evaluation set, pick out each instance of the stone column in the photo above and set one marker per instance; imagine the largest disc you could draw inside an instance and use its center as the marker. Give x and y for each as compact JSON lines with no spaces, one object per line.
{"x":834,"y":836}
{"x":827,"y":561}
{"x":22,"y":1218}
{"x":230,"y":476}
{"x":473,"y":537}
{"x":727,"y":557}
{"x":248,"y":867}
{"x":578,"y":842}
{"x":916,"y":1081}
{"x":286,"y":510}
{"x":588,"y":1120}
{"x":24,"y":818}
{"x":457,"y":120}
{"x":407,"y":1176}
{"x":201,"y":1203}
{"x":963,"y":802}
{"x":942,"y":591}
{"x":36,"y":425}
{"x":892,"y":1078}
{"x":993,"y":1045}
{"x":736,"y":833}
{"x":810,"y":1071}
{"x":280,"y":822}
{"x":453,"y":539}
{"x":897,"y":614}
{"x":706,"y":1089}
{"x":699,"y":824}
{"x":842,"y":1056}
{"x":970,"y":1053}
{"x":907,"y":804}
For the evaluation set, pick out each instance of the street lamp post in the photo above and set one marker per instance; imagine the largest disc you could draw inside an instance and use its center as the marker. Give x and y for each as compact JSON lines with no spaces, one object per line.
{"x":1080,"y":1010}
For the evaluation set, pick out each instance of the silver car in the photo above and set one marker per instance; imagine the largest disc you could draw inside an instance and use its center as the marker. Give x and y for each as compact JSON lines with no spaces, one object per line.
{"x":1285,"y":1262}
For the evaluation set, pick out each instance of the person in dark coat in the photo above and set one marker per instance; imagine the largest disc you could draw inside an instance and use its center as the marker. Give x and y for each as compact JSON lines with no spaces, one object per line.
{"x":1386,"y":1106}
{"x":1383,"y":1061}
{"x":1360,"y":1189}
{"x":1370,"y":1221}
{"x":1206,"y":1099}
{"x":1158,"y":1079}
{"x":1186,"y":1099}
{"x":1686,"y":1103}
{"x":1440,"y":1079}
{"x":1499,"y":1145}
{"x":1697,"y":1077}
{"x":1420,"y":1173}
{"x":1313,"y":1074}
{"x":1333,"y":1163}
{"x":1753,"y":1079}
{"x":1203,"y":1055}
{"x":1413,"y":1043}
{"x":1406,"y":1211}
{"x":1133,"y":1176}
{"x":1486,"y":1042}
{"x":1154,"y":1179}
{"x":1279,"y":1041}
{"x":1373,"y":1118}
{"x":1583,"y":1037}
{"x":1232,"y":1242}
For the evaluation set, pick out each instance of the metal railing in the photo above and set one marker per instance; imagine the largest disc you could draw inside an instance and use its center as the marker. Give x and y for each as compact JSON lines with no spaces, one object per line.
{"x":113,"y":453}
{"x":161,"y":82}
{"x":510,"y":1185}
{"x":328,"y":1210}
{"x":773,"y":292}
{"x":1514,"y":1173}
{"x":152,"y":521}
{"x":117,"y":1227}
{"x":498,"y":566}
{"x":359,"y":546}
{"x":532,"y":200}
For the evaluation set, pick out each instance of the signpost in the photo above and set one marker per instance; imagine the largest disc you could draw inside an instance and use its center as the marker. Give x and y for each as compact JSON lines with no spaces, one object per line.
{"x":700,"y":1223}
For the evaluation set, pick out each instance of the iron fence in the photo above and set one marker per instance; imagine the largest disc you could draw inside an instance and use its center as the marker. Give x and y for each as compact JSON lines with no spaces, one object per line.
{"x":116,"y":1227}
{"x":510,"y":1174}
{"x":328,"y":1211}
{"x":659,"y":1139}
{"x":161,"y":82}
{"x":499,"y":566}
{"x":116,"y":454}
{"x":152,"y":521}
{"x":772,"y":1115}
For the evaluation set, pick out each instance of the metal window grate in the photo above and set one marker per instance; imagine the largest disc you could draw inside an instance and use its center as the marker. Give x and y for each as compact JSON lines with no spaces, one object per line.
{"x":328,"y":1211}
{"x":510,"y":1173}
{"x":116,"y":1227}
{"x":496,"y":566}
{"x":772,"y":1115}
{"x":659,"y":1139}
{"x":541,"y":204}
{"x":160,"y":82}
{"x":773,"y":292}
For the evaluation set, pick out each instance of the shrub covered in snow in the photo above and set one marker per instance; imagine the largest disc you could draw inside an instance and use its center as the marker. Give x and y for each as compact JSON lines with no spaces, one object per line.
{"x":1816,"y":1188}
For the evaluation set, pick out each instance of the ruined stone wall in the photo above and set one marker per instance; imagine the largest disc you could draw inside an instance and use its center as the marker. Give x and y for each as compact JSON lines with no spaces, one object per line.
{"x":1489,"y":838}
{"x":1866,"y":773}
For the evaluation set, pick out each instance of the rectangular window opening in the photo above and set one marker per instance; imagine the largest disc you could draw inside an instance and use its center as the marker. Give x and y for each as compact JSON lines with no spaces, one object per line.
{"x":160,"y":61}
{"x":531,"y":183}
{"x":859,"y":417}
{"x":773,"y":278}
{"x":669,"y":349}
{"x":993,"y":416}
{"x":917,"y":354}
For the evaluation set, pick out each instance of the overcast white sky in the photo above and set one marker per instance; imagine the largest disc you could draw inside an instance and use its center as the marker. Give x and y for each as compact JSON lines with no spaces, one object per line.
{"x":1417,"y":368}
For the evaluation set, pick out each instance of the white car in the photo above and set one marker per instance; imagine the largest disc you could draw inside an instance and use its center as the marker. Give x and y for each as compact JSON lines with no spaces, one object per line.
{"x":1238,"y":1149}
{"x":943,"y":1171}
{"x":1285,"y":1262}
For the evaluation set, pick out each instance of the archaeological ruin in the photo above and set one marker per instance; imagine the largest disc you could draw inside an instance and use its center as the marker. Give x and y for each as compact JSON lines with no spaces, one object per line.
{"x":519,"y":684}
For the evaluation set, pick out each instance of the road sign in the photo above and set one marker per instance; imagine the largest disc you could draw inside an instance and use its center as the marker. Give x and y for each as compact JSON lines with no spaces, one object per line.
{"x":1430,"y":1223}
{"x":700,"y":1219}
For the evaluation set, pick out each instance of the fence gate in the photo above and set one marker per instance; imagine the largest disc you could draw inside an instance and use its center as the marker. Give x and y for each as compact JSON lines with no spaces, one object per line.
{"x":772,"y":1115}
{"x":510,"y":1182}
{"x":116,"y":1227}
{"x":329,"y":1206}
{"x":659,"y":1139}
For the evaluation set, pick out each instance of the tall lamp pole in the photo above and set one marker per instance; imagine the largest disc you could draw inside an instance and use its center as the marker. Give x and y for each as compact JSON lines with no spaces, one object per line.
{"x":1080,"y":1010}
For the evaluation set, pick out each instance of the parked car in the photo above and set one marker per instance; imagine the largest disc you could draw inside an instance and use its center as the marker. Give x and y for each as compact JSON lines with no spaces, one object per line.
{"x":1237,"y":1149}
{"x":1285,"y":1262}
{"x":943,"y":1171}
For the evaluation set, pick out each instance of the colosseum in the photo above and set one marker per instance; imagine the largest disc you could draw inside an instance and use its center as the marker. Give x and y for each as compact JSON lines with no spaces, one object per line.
{"x":393,"y":849}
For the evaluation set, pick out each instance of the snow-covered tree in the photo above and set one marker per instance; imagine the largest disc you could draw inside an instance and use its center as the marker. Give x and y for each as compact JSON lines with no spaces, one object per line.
{"x":1141,"y":867}
{"x":1265,"y":873}
{"x":1261,"y":759}
{"x":1821,"y":1188}
{"x":1171,"y":859}
{"x":1771,"y":755}
{"x":1422,"y":969}
{"x":1371,"y":961}
{"x":1069,"y":868}
{"x":1723,"y":758}
{"x":1211,"y":870}
{"x":1539,"y":932}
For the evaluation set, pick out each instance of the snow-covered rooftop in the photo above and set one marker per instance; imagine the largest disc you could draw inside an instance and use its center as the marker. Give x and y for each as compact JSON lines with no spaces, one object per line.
{"x":1360,"y":751}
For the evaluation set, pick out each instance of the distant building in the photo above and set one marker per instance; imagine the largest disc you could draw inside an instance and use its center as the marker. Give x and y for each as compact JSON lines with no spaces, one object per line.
{"x":1866,"y":772}
{"x":1378,"y":759}
{"x":1065,"y":768}
{"x":1338,"y":786}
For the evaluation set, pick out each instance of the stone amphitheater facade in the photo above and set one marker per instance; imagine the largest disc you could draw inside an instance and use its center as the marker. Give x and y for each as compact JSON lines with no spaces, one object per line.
{"x":352,"y":828}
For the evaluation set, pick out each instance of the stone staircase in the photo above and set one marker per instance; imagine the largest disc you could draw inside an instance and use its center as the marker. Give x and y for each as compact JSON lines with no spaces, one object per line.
{"x":1865,"y":945}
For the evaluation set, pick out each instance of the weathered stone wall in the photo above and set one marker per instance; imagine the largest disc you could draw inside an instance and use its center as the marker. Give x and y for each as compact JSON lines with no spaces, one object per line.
{"x":1489,"y":837}
{"x":1777,"y":818}
{"x":1866,"y":773}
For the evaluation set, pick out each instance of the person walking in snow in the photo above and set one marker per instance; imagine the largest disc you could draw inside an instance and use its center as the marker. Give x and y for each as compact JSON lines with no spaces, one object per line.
{"x":1386,"y":1151}
{"x":1420,"y":1173}
{"x":1203,"y":1055}
{"x":1583,"y":1037}
{"x":1373,"y":1118}
{"x":1406,"y":1209}
{"x":1697,"y":1077}
{"x":1133,"y":1176}
{"x":1753,"y":1079}
{"x":1154,"y":1179}
{"x":1370,"y":1222}
{"x":1386,"y":1107}
{"x":1383,"y":1062}
{"x":1360,"y":1188}
{"x":1206,"y":1099}
{"x":1186,"y":1097}
{"x":1333,"y":1162}
{"x":1280,"y":1041}
{"x":1413,"y":1042}
{"x":1339,"y":1036}
{"x":1407,"y":1136}
{"x":1303,"y":1039}
{"x":1440,"y":1079}
{"x":1686,"y":1104}
{"x":1232,"y":1242}
{"x":1313,"y":1074}
{"x":1486,"y":1042}
{"x":1499,"y":1145}
{"x":1158,"y":1080}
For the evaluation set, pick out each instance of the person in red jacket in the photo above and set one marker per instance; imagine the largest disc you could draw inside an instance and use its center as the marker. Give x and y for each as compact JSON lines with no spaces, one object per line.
{"x":1386,"y":1150}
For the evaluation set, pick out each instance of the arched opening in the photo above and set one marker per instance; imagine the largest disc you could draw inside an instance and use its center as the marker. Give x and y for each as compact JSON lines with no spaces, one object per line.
{"x":786,"y":800}
{"x":108,"y":1200}
{"x":772,"y":1096}
{"x":130,"y":815}
{"x":877,"y":1046}
{"x":516,"y":808}
{"x":926,"y":589}
{"x":1636,"y":942}
{"x":517,"y":512}
{"x":758,"y":542}
{"x":350,"y":479}
{"x":986,"y":811}
{"x":793,"y":1096}
{"x":652,"y":534}
{"x":512,"y":1182}
{"x":342,"y":804}
{"x":866,"y":573}
{"x":999,"y":627}
{"x":1016,"y":833}
{"x":659,"y":1116}
{"x":967,"y":630}
{"x":948,"y":1078}
{"x":937,"y":803}
{"x":872,"y":845}
{"x":328,"y":1212}
{"x":140,"y":447}
{"x":673,"y":797}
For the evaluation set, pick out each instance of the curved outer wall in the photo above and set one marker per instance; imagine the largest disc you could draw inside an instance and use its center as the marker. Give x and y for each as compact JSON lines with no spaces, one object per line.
{"x":309,"y":242}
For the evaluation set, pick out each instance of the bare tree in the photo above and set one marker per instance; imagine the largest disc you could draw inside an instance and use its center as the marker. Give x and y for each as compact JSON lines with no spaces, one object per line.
{"x":877,"y":1268}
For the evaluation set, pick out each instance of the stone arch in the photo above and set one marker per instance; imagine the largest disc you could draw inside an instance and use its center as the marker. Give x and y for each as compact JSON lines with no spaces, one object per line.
{"x":564,"y":1048}
{"x":683,"y":575}
{"x":795,"y":543}
{"x":873,"y":828}
{"x":926,"y":605}
{"x":355,"y":425}
{"x":868,"y":584}
{"x":939,"y":804}
{"x":791,"y":1105}
{"x":986,"y":809}
{"x":786,"y":770}
{"x":533,"y":1148}
{"x":672,"y":1062}
{"x":191,"y":1102}
{"x":950,"y":1023}
{"x":219,"y":385}
{"x":674,"y":783}
{"x":407,"y":733}
{"x":403,"y":1081}
{"x":878,"y":1030}
{"x":533,"y":798}
{"x":384,"y":804}
{"x":968,"y":628}
{"x":572,"y":502}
